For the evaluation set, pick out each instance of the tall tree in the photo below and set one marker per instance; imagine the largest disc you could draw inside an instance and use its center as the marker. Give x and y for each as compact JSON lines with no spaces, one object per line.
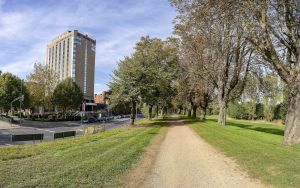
{"x":41,"y":84}
{"x":10,"y":89}
{"x":158,"y":61}
{"x":125,"y":86}
{"x":214,"y":38}
{"x":67,"y":95}
{"x":274,"y":32}
{"x":146,"y":76}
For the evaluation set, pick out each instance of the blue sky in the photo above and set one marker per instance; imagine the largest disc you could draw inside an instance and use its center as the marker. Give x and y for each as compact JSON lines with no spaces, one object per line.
{"x":26,"y":26}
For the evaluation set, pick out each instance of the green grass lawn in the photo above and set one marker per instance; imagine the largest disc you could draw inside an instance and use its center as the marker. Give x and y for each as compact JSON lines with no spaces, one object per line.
{"x":155,"y":121}
{"x":87,"y":161}
{"x":257,"y":147}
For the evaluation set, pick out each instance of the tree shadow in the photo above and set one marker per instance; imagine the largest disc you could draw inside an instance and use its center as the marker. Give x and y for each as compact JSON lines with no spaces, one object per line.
{"x":152,"y":133}
{"x":270,"y":130}
{"x":193,"y":121}
{"x":168,"y":119}
{"x":153,"y":124}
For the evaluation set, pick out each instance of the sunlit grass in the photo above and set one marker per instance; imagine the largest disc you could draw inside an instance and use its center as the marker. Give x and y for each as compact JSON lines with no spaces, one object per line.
{"x":86,"y":161}
{"x":256,"y":146}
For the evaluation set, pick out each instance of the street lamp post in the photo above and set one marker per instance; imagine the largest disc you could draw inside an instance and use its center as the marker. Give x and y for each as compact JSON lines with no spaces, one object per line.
{"x":82,"y":111}
{"x":21,"y":100}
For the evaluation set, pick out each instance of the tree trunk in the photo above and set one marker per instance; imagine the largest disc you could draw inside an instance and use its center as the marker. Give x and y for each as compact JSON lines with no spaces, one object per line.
{"x":164,"y":112}
{"x":189,"y":113}
{"x":133,"y":112}
{"x":184,"y":111}
{"x":190,"y":109}
{"x":222,"y":113}
{"x":150,"y":112}
{"x":157,"y":111}
{"x":64,"y":113}
{"x":203,"y":114}
{"x":194,"y":115}
{"x":292,"y":121}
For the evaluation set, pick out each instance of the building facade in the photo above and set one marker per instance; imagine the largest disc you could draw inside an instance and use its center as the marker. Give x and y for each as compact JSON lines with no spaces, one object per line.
{"x":72,"y":54}
{"x":102,"y":98}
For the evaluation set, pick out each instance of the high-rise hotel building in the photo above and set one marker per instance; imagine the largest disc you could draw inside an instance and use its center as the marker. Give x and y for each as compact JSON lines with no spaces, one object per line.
{"x":72,"y":54}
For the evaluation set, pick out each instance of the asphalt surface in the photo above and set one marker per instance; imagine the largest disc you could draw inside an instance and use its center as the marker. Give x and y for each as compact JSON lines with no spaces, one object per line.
{"x":49,"y":128}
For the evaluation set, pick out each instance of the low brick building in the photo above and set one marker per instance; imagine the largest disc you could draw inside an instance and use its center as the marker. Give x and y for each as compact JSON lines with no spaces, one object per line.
{"x":102,"y":98}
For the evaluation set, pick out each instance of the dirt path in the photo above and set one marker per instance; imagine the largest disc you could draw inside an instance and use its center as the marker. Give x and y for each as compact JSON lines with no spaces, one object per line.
{"x":186,"y":160}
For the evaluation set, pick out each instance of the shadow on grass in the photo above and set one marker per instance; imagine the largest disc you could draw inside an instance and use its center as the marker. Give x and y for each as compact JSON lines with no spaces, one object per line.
{"x":153,"y":133}
{"x":162,"y":122}
{"x":153,"y":123}
{"x":167,"y":119}
{"x":259,"y":129}
{"x":268,"y":130}
{"x":193,"y":121}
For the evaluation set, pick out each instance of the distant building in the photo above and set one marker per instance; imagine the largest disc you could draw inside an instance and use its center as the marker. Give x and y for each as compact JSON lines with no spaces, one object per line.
{"x":72,"y":54}
{"x":102,"y":98}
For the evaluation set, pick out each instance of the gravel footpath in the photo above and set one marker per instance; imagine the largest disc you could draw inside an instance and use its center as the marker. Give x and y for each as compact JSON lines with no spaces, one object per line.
{"x":186,"y":160}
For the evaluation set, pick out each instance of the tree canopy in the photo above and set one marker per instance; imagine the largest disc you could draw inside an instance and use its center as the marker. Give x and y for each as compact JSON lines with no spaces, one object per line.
{"x":41,"y":84}
{"x":146,"y":76}
{"x":226,"y":41}
{"x":67,"y":95}
{"x":10,"y":89}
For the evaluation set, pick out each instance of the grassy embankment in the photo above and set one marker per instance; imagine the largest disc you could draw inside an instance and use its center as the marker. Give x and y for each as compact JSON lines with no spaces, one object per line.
{"x":257,"y":147}
{"x":87,"y":161}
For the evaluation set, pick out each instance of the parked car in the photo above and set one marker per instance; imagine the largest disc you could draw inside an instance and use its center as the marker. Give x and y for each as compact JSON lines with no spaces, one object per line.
{"x":118,"y":117}
{"x":101,"y":119}
{"x":89,"y":120}
{"x":109,"y":118}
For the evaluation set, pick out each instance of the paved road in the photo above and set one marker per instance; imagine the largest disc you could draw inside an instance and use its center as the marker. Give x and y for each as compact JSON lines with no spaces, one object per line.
{"x":49,"y":128}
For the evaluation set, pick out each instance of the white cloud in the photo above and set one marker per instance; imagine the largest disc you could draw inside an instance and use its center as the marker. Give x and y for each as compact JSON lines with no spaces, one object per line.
{"x":18,"y":67}
{"x":11,"y":25}
{"x":99,"y":87}
{"x":23,"y":63}
{"x":27,"y":28}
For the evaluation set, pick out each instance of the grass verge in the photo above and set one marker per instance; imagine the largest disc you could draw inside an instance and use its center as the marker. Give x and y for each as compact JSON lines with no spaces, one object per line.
{"x":88,"y":161}
{"x":154,"y":122}
{"x":257,"y":147}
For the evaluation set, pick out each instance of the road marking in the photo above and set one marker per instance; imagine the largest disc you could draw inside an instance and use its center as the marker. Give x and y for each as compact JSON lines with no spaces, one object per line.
{"x":45,"y":130}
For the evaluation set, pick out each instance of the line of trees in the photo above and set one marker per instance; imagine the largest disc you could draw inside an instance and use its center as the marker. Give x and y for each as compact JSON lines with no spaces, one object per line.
{"x":264,"y":97}
{"x":237,"y":54}
{"x":215,"y":54}
{"x":41,"y":92}
{"x":228,"y":42}
{"x":146,"y":77}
